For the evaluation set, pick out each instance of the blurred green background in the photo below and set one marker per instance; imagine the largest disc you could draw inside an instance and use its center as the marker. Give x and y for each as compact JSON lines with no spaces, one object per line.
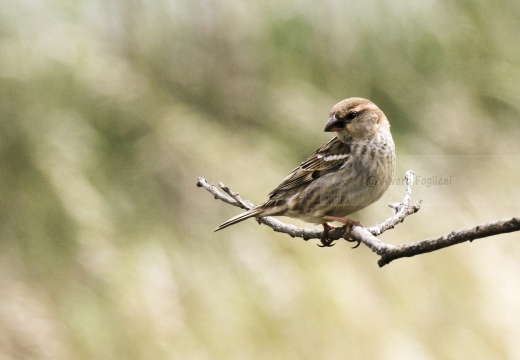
{"x":110,"y":110}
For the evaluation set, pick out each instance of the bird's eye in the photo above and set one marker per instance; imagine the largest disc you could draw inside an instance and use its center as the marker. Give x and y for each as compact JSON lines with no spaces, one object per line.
{"x":351,"y":115}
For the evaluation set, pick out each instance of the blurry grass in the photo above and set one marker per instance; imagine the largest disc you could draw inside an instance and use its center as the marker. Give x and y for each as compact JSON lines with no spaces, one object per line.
{"x":110,"y":110}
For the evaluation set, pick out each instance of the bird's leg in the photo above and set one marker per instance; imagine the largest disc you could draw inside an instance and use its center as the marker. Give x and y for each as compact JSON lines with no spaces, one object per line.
{"x":325,"y":241}
{"x":349,"y":223}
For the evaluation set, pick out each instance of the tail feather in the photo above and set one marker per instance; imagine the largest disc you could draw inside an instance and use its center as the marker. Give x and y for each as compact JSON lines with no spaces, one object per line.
{"x":239,"y":218}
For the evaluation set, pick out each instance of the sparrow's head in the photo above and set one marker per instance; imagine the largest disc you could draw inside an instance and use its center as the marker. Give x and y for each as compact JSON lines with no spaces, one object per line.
{"x":356,"y":118}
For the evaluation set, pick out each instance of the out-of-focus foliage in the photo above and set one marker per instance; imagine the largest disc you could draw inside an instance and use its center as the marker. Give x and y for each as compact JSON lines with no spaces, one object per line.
{"x":109,"y":111}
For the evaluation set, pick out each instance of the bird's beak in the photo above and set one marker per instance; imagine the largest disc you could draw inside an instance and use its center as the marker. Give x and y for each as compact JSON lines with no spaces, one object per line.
{"x":334,"y":124}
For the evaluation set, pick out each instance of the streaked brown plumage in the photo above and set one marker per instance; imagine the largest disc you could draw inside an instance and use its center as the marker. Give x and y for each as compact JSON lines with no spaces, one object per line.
{"x":346,"y":174}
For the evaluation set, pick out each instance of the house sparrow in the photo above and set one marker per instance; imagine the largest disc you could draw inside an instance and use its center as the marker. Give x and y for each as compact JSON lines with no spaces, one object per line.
{"x":346,"y":174}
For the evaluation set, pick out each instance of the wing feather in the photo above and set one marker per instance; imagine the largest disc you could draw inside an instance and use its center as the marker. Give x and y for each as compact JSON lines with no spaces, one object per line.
{"x":326,"y":159}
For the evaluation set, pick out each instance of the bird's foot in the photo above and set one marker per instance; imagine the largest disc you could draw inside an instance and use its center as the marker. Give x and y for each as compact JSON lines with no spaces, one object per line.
{"x":349,"y":223}
{"x":325,"y":241}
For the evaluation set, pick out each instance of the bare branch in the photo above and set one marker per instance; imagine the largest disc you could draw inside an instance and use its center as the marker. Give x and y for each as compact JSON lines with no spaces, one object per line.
{"x":455,"y":237}
{"x":234,"y":199}
{"x":367,"y":236}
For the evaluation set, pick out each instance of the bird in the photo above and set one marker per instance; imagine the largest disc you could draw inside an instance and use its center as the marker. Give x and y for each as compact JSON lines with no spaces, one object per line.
{"x":347,"y":173}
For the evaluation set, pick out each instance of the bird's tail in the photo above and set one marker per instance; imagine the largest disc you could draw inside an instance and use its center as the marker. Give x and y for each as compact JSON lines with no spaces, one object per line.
{"x":239,"y":218}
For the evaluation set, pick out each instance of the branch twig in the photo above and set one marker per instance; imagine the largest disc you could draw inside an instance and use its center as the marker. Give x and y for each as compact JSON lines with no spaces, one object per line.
{"x":390,"y":253}
{"x":367,"y":236}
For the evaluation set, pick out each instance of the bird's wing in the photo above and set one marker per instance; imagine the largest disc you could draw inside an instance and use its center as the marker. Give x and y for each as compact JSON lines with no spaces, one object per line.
{"x":330,"y":157}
